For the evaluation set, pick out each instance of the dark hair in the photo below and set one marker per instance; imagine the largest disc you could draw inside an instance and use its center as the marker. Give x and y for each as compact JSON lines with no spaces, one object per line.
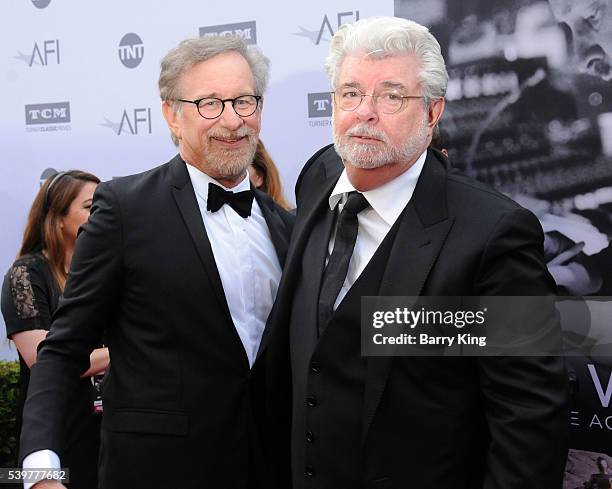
{"x":43,"y":231}
{"x":265,"y":167}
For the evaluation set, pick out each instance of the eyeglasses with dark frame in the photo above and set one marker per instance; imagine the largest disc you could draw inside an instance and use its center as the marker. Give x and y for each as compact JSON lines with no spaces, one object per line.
{"x":389,"y":101}
{"x":212,"y":107}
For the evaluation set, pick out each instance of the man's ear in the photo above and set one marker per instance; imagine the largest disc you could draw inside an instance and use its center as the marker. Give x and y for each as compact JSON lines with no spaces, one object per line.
{"x":171,"y":117}
{"x":436,"y":108}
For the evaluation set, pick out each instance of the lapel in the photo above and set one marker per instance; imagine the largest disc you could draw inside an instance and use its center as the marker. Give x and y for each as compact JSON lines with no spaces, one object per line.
{"x":421,"y":234}
{"x":279,"y":235}
{"x":312,"y":207}
{"x":186,"y":201}
{"x":327,"y":173}
{"x":277,"y":227}
{"x":314,"y":202}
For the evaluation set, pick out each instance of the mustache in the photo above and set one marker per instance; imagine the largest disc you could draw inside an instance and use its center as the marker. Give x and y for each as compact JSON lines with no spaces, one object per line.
{"x":222,"y":133}
{"x":365,"y":130}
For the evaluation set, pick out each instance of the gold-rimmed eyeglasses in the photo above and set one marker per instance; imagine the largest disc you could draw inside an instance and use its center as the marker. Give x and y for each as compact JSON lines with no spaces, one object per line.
{"x":388,"y":101}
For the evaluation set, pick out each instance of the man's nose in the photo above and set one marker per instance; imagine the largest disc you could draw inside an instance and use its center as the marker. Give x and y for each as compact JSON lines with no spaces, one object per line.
{"x":229,"y":118}
{"x":367,"y":110}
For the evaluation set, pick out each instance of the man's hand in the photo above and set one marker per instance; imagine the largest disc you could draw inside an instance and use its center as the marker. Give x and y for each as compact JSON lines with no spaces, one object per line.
{"x":48,"y":484}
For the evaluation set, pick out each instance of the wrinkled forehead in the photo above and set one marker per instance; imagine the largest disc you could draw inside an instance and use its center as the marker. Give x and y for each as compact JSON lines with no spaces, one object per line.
{"x":378,"y":66}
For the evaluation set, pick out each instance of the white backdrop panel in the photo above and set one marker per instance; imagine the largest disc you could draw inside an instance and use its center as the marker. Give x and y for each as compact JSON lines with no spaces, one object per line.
{"x":62,"y":51}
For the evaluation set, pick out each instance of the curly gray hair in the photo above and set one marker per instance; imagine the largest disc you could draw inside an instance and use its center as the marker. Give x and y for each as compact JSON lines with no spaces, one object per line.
{"x":380,"y":37}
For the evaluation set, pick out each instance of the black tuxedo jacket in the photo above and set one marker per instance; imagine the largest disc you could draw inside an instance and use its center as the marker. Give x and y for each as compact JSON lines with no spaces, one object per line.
{"x":433,"y":423}
{"x":179,"y":397}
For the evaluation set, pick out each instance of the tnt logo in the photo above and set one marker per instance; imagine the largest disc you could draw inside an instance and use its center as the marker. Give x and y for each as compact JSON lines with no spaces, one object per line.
{"x":319,"y":104}
{"x":46,"y":174}
{"x":131,"y":50}
{"x":41,"y":3}
{"x":326,"y":29}
{"x":247,"y":31}
{"x":54,"y":113}
{"x":134,"y":122}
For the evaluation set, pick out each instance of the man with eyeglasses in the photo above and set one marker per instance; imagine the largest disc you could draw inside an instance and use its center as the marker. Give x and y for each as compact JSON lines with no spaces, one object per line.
{"x":379,"y":214}
{"x":177,"y":269}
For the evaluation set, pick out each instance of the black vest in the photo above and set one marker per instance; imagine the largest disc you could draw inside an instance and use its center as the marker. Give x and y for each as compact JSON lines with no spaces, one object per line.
{"x":329,"y":371}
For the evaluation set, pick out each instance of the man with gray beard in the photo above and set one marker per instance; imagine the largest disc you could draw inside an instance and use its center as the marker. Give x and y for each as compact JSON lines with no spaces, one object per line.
{"x":176,"y":270}
{"x":379,"y":214}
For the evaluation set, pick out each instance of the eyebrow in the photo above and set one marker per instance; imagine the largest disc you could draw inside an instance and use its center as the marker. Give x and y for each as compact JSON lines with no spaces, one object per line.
{"x":385,"y":84}
{"x":390,"y":84}
{"x":351,"y":85}
{"x":216,"y":95}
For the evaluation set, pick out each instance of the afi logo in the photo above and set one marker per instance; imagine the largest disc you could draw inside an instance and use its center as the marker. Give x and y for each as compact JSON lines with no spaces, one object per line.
{"x":319,"y":104}
{"x":134,"y":122}
{"x":247,"y":31}
{"x":316,"y":36}
{"x":131,"y":50}
{"x":604,"y":396}
{"x":55,"y":113}
{"x":43,"y":54}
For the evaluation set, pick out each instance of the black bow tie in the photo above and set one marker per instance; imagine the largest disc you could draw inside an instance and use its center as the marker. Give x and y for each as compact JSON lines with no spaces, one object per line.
{"x":241,"y":202}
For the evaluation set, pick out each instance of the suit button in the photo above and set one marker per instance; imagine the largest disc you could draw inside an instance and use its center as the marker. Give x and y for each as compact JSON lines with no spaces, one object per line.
{"x":310,"y":471}
{"x":311,"y":401}
{"x":309,"y":436}
{"x":315,"y":367}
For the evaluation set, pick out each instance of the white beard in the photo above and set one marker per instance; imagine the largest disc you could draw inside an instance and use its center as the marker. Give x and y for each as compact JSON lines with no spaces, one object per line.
{"x":369,"y":156}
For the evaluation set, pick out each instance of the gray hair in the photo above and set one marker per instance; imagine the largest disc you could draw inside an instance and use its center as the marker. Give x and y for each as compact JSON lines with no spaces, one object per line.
{"x":193,"y":51}
{"x":381,"y":37}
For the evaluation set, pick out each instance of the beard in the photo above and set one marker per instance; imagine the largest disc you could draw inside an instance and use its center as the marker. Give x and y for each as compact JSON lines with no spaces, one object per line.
{"x":370,"y":156}
{"x":224,"y":163}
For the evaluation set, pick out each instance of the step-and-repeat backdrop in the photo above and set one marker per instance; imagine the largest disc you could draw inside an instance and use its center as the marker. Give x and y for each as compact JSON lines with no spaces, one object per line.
{"x":529,"y":111}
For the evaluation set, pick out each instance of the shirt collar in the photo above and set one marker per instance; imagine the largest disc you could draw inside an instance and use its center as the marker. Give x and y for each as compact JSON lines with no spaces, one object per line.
{"x":401,"y":188}
{"x":200,"y":181}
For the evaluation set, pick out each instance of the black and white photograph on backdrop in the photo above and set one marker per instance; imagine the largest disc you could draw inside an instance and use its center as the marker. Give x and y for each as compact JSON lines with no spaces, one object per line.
{"x":529,"y":111}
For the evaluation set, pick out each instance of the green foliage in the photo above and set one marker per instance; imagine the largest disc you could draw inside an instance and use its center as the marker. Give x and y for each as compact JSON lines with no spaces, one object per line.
{"x":9,"y":390}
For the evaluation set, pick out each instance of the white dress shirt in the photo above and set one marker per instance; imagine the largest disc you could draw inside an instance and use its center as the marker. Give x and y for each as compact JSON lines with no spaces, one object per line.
{"x":249,"y":270}
{"x":246,"y":260}
{"x":386,"y":204}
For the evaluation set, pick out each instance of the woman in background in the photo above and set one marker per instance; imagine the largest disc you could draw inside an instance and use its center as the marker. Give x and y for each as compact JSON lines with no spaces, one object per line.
{"x":265,"y":176}
{"x":30,"y":294}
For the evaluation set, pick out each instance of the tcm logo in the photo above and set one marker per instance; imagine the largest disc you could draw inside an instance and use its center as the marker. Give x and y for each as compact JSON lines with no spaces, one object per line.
{"x":326,"y":31}
{"x":319,"y":104}
{"x":131,"y":50}
{"x":56,"y":113}
{"x":246,"y":31}
{"x":135,"y":121}
{"x":41,"y":3}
